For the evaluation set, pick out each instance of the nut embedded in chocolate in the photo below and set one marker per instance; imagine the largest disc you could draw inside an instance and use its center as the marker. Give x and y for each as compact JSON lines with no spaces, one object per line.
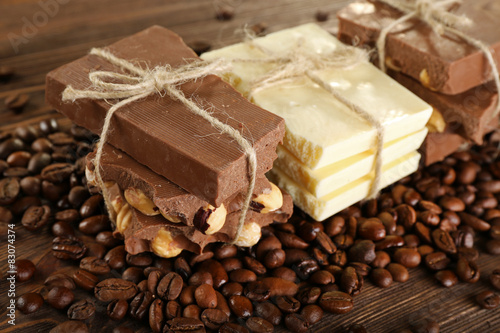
{"x":209,"y":219}
{"x":164,"y":246}
{"x":268,"y":202}
{"x":137,"y":199}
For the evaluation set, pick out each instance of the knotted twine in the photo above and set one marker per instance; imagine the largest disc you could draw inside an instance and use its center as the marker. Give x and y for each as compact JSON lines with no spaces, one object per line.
{"x":141,"y":83}
{"x":435,"y":13}
{"x":300,"y":62}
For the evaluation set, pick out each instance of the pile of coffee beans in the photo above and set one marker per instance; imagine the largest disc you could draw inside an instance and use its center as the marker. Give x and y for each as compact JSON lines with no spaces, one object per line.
{"x":297,"y":271}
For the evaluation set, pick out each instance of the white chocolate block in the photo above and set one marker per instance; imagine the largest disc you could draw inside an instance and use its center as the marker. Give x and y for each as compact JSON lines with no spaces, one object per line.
{"x":322,"y":181}
{"x":322,"y":208}
{"x":320,"y":130}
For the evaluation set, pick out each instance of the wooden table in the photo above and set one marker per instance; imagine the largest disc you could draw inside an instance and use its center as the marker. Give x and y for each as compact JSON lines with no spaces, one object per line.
{"x":35,"y":39}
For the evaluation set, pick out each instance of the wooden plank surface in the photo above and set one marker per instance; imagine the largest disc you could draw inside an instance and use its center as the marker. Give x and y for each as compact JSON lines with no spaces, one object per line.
{"x":73,"y":27}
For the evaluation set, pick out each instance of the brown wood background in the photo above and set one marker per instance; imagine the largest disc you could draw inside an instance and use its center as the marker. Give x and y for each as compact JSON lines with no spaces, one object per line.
{"x":42,"y":41}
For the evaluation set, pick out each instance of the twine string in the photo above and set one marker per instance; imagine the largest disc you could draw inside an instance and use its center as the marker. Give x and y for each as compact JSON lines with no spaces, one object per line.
{"x":436,"y":14}
{"x":160,"y":80}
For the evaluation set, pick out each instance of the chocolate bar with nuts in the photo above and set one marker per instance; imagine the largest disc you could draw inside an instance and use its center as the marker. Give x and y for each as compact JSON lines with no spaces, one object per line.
{"x":437,"y":146}
{"x":154,"y":195}
{"x":447,"y":63}
{"x":167,"y":239}
{"x":162,"y":133}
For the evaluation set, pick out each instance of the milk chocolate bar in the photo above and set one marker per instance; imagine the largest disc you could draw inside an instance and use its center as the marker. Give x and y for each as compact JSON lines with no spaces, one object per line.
{"x":446,"y":64}
{"x":170,"y":199}
{"x":163,"y":133}
{"x":469,"y":114}
{"x":437,"y":146}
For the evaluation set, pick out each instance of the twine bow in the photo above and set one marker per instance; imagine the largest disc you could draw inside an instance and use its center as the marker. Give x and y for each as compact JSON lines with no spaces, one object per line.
{"x":160,"y":80}
{"x":436,"y":14}
{"x":301,"y":62}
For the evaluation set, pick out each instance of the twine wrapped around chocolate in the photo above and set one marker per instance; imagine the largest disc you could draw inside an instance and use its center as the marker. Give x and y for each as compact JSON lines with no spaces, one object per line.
{"x":299,"y":63}
{"x":436,"y":14}
{"x":141,"y":83}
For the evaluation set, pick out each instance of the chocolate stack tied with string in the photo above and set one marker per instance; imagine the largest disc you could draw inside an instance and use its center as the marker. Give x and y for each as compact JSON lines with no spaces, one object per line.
{"x":156,"y":105}
{"x":445,"y":51}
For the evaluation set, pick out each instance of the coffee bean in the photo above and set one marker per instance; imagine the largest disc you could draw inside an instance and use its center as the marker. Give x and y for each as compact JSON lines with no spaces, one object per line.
{"x":224,"y":251}
{"x":343,"y":242}
{"x":30,"y":186}
{"x":139,"y":306}
{"x":186,"y":296}
{"x":9,"y":190}
{"x":446,"y":278}
{"x":215,"y":268}
{"x":242,"y":276}
{"x":321,"y":277}
{"x":16,"y":102}
{"x":192,"y":311}
{"x":116,"y":257}
{"x":184,"y":325}
{"x":91,"y":206}
{"x":278,"y":286}
{"x":363,"y":251}
{"x":169,"y":287}
{"x":467,"y":271}
{"x":231,"y":288}
{"x":205,"y":296}
{"x":287,"y":304}
{"x":77,"y":196}
{"x":156,"y":316}
{"x":336,"y":302}
{"x":222,"y":304}
{"x":406,"y":216}
{"x":48,"y":126}
{"x":296,"y":323}
{"x":19,"y":159}
{"x":334,"y":226}
{"x":231,"y":264}
{"x":398,"y":272}
{"x":285,"y":273}
{"x":305,"y":268}
{"x":96,"y":250}
{"x":240,"y":306}
{"x":390,"y":241}
{"x":9,"y":146}
{"x":437,"y":261}
{"x":372,"y":229}
{"x":94,"y":265}
{"x":85,"y":280}
{"x":351,"y":282}
{"x":68,"y":247}
{"x":232,"y":328}
{"x":29,"y":303}
{"x":381,"y":260}
{"x":59,"y":280}
{"x":60,"y":297}
{"x":117,"y":309}
{"x":265,"y":245}
{"x":381,"y":277}
{"x":107,"y":239}
{"x":24,"y":269}
{"x":495,"y":279}
{"x":474,"y":222}
{"x":308,"y":295}
{"x":73,"y":326}
{"x":62,"y":228}
{"x":22,"y":204}
{"x":255,"y":266}
{"x":488,"y":300}
{"x":81,"y":310}
{"x":172,"y":310}
{"x":115,"y":289}
{"x":35,"y":217}
{"x":407,"y":257}
{"x":199,"y":278}
{"x":259,"y":325}
{"x":134,"y":274}
{"x":6,"y":215}
{"x":312,"y":313}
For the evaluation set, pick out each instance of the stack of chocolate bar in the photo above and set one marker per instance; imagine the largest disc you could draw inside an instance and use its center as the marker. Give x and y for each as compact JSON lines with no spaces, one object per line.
{"x":444,"y":70}
{"x":327,"y":159}
{"x":173,"y":180}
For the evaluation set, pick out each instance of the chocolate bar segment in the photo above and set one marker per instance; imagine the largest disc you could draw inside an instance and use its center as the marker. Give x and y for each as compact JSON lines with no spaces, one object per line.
{"x":437,"y":146}
{"x":170,"y":199}
{"x":451,"y":65}
{"x":469,"y":114}
{"x":163,"y":133}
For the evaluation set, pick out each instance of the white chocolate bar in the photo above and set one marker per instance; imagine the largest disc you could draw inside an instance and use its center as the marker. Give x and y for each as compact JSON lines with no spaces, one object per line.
{"x":320,"y":130}
{"x":322,"y":208}
{"x":322,"y":181}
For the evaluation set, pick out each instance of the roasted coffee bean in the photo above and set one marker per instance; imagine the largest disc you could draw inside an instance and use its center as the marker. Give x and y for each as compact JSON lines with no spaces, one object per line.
{"x":91,"y":206}
{"x":94,"y":224}
{"x":305,"y":268}
{"x":59,"y":280}
{"x":274,"y":258}
{"x":474,"y":222}
{"x":257,"y":291}
{"x":269,"y":312}
{"x":493,"y":246}
{"x":186,"y":296}
{"x":381,"y":277}
{"x":73,"y":326}
{"x":62,"y":229}
{"x":117,"y":309}
{"x":22,"y":204}
{"x":231,"y":288}
{"x":24,"y":269}
{"x":265,"y":245}
{"x":184,"y":325}
{"x":495,"y":232}
{"x":31,"y":186}
{"x":363,"y":251}
{"x":259,"y":325}
{"x":156,"y":316}
{"x":134,"y":274}
{"x":325,"y":242}
{"x":287,"y":304}
{"x":495,"y":279}
{"x":453,"y":204}
{"x":312,"y":313}
{"x":437,"y":261}
{"x":213,"y":318}
{"x":48,"y":126}
{"x":68,"y":247}
{"x":398,"y":272}
{"x":407,"y":257}
{"x":446,"y":278}
{"x":240,"y":306}
{"x":116,"y":257}
{"x":285,"y":273}
{"x":242,"y":276}
{"x":308,"y":295}
{"x":9,"y":190}
{"x":57,"y":172}
{"x":321,"y":277}
{"x":255,"y":266}
{"x":336,"y":302}
{"x":192,"y":311}
{"x":17,"y":172}
{"x":140,"y":260}
{"x":291,"y":240}
{"x":307,"y":231}
{"x":231,"y":264}
{"x":60,"y":297}
{"x":343,"y":242}
{"x":350,"y":281}
{"x":139,"y":306}
{"x":81,"y":310}
{"x":96,"y":250}
{"x":85,"y":280}
{"x":222,"y":304}
{"x":172,"y":310}
{"x":115,"y":289}
{"x":372,"y":229}
{"x":107,"y":239}
{"x":53,"y":192}
{"x":29,"y":303}
{"x":205,"y":296}
{"x":6,"y":215}
{"x":425,"y":326}
{"x":9,"y":146}
{"x":199,"y":278}
{"x":296,"y":323}
{"x":153,"y":278}
{"x":390,"y":241}
{"x":381,"y":260}
{"x":169,"y":287}
{"x":467,"y":271}
{"x":77,"y":196}
{"x":406,"y":216}
{"x":334,"y":226}
{"x":488,"y":300}
{"x":339,"y":258}
{"x":232,"y":328}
